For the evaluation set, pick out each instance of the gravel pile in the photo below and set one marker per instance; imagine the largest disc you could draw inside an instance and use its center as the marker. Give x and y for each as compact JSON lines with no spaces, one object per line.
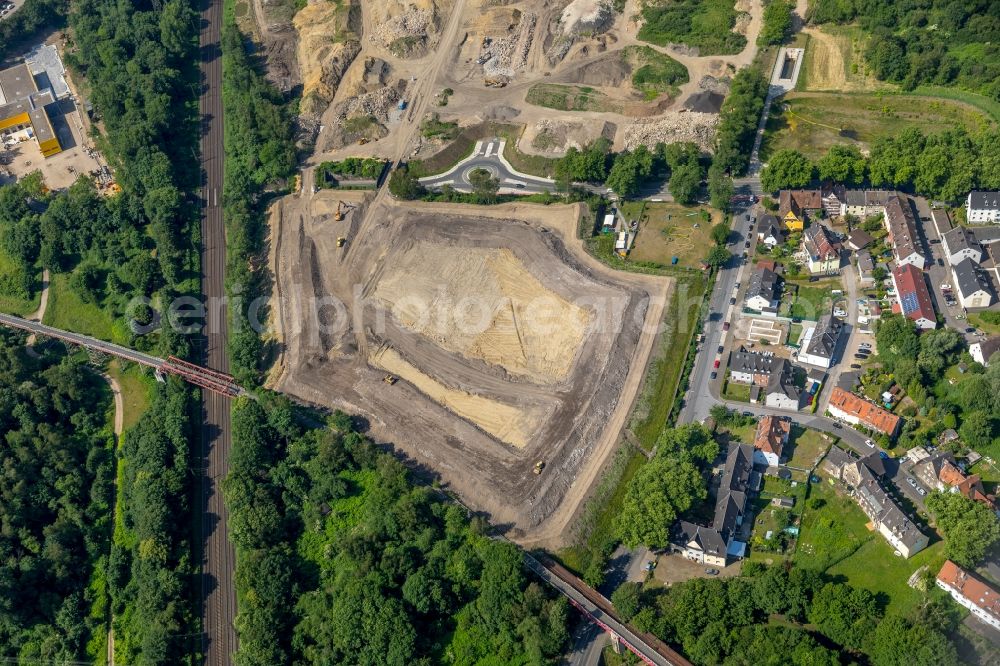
{"x":377,"y":103}
{"x":412,"y":23}
{"x":509,"y":54}
{"x":671,"y":127}
{"x":594,"y":16}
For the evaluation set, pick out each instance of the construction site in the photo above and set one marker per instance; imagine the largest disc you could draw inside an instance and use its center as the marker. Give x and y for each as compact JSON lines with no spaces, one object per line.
{"x":484,"y":344}
{"x":565,"y":71}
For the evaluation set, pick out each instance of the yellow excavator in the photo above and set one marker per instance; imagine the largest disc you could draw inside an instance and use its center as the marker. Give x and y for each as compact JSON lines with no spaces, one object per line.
{"x":389,"y":379}
{"x":339,"y":215}
{"x":539,"y":466}
{"x":341,"y":241}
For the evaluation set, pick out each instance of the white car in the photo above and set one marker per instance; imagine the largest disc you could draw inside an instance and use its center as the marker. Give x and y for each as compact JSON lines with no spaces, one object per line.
{"x":869,"y":443}
{"x":945,"y":286}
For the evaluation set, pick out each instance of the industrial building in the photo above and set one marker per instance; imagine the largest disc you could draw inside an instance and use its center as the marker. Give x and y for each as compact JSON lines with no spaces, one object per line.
{"x":26,"y":110}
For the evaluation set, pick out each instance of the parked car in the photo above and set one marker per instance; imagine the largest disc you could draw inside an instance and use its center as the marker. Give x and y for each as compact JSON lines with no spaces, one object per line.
{"x":865,"y":345}
{"x":935,"y":241}
{"x":725,"y":327}
{"x":921,"y":491}
{"x":747,"y":413}
{"x":869,"y":443}
{"x":945,"y":287}
{"x":910,"y":480}
{"x":814,"y":278}
{"x":883,"y":455}
{"x":738,"y":285}
{"x":862,"y":357}
{"x":712,"y":572}
{"x":716,"y":364}
{"x":855,"y":366}
{"x":721,"y":348}
{"x":747,"y":244}
{"x":837,"y":425}
{"x":970,"y":330}
{"x":940,"y":262}
{"x":714,"y":374}
{"x":732,"y":301}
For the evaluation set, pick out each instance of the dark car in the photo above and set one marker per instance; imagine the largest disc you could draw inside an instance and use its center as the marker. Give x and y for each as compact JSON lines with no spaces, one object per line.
{"x":725,"y":327}
{"x":732,"y":301}
{"x":862,"y":357}
{"x":935,"y":241}
{"x":940,"y":262}
{"x":814,"y":278}
{"x":837,"y":426}
{"x":855,"y":366}
{"x":714,"y":374}
{"x":721,"y":348}
{"x":747,"y":244}
{"x":970,"y":330}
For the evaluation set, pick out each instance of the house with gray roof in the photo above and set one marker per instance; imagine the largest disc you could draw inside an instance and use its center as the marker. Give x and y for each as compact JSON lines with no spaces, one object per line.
{"x":820,"y":342}
{"x":982,"y":208}
{"x":959,"y":244}
{"x":972,"y":285}
{"x":764,"y":290}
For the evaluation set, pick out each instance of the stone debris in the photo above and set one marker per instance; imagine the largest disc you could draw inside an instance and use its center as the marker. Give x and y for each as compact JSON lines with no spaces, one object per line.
{"x":376,"y":104}
{"x":412,"y":23}
{"x":503,"y":57}
{"x":671,"y":127}
{"x":593,"y":16}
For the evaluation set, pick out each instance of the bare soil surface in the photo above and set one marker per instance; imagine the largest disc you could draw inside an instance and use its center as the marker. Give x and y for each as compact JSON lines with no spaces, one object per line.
{"x":509,"y":342}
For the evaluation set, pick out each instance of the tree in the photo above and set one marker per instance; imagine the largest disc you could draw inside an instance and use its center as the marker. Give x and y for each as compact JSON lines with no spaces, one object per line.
{"x":627,"y":599}
{"x":484,"y":184}
{"x":786,"y":168}
{"x":842,"y":164}
{"x":717,"y":256}
{"x":844,"y":614}
{"x":777,"y":23}
{"x":720,"y":188}
{"x":685,"y":180}
{"x":978,"y":429}
{"x":629,"y":170}
{"x":897,"y":641}
{"x":662,"y":489}
{"x":403,"y":185}
{"x":969,"y":528}
{"x":896,"y":337}
{"x":720,"y":234}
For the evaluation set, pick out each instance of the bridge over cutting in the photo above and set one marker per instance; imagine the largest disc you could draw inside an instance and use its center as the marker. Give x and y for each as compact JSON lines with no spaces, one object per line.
{"x":599,"y":610}
{"x":218,"y":382}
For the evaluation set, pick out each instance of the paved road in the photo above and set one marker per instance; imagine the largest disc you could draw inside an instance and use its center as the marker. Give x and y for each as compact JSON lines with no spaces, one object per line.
{"x":588,"y":645}
{"x":82,"y":340}
{"x":218,"y":560}
{"x":488,"y":155}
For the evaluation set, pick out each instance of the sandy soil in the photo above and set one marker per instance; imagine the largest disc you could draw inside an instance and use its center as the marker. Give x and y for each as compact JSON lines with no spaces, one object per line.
{"x":466,"y":417}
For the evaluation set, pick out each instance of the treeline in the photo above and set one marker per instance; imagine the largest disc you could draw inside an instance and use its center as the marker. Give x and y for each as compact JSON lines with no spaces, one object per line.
{"x":917,"y":42}
{"x":738,"y":119}
{"x":139,"y":66}
{"x":55,"y":500}
{"x":139,"y":60}
{"x":777,"y":22}
{"x":260,"y":152}
{"x":30,"y":18}
{"x":729,"y":621}
{"x":341,"y":559}
{"x":942,"y":166}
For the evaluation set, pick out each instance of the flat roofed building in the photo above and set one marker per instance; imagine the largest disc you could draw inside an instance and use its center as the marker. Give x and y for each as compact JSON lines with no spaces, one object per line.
{"x":24,"y":106}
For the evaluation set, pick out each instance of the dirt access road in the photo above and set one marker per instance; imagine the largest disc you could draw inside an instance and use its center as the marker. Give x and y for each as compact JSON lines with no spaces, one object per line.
{"x":443,"y":412}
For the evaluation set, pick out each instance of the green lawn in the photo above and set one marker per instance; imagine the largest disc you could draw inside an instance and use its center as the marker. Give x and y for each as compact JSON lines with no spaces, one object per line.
{"x":654,"y":73}
{"x":10,"y":275}
{"x":668,"y":230}
{"x":65,"y":310}
{"x":742,"y":433}
{"x":739,"y":392}
{"x":571,"y":98}
{"x":136,"y":387}
{"x":812,"y":299}
{"x":874,"y":567}
{"x":832,"y":532}
{"x":806,"y":446}
{"x":812,"y":122}
{"x":977,"y":321}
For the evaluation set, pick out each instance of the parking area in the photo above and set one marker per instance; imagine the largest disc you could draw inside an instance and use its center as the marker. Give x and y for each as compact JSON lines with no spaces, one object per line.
{"x":672,"y":568}
{"x":8,"y":7}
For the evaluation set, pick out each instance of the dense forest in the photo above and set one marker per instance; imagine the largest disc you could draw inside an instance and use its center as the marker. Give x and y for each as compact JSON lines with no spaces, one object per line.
{"x":260,"y":152}
{"x":55,"y":498}
{"x":918,"y":42}
{"x":761,"y":617}
{"x":341,"y":559}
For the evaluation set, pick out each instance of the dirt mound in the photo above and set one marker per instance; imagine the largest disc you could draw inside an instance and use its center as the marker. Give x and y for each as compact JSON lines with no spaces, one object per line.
{"x":322,"y":61}
{"x":552,"y":137}
{"x":509,"y":54}
{"x":673,"y":126}
{"x":593,"y":16}
{"x":500,"y":112}
{"x":611,"y":71}
{"x":405,"y":35}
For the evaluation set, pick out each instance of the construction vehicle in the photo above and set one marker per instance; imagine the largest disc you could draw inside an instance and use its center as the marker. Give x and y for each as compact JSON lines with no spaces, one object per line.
{"x":297,"y":188}
{"x":539,"y":466}
{"x":339,"y":215}
{"x":341,"y":241}
{"x":495,"y":83}
{"x":362,"y":141}
{"x":389,"y":379}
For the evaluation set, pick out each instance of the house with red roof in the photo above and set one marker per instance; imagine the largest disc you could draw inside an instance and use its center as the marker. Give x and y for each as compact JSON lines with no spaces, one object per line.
{"x":848,"y":407}
{"x":969,"y":591}
{"x":913,"y":296}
